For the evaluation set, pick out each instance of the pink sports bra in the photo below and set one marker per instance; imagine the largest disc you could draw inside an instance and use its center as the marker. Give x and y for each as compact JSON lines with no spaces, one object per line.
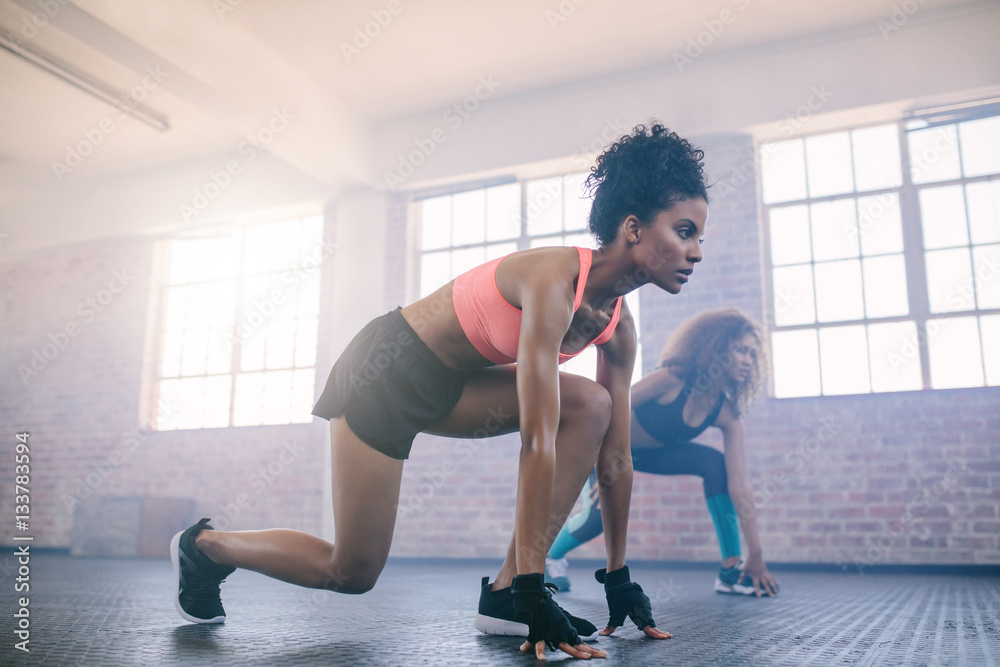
{"x":493,"y":326}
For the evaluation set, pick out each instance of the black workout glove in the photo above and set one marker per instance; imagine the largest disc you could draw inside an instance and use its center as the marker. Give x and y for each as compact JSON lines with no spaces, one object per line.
{"x":625,"y":599}
{"x":548,"y":622}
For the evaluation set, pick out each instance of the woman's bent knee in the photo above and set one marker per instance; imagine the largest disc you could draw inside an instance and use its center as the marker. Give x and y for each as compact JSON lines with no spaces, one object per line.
{"x":587,"y":405}
{"x":351,"y":583}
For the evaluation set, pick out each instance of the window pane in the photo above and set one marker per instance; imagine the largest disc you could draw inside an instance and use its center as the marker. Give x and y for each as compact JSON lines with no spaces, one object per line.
{"x":793,"y":296}
{"x":303,"y":388}
{"x":880,"y":224}
{"x":942,"y":213}
{"x":468,"y":217}
{"x":170,"y":364}
{"x":834,"y":229}
{"x":790,"y":235}
{"x":499,"y":250}
{"x":463,"y":260}
{"x":934,"y":154}
{"x":544,"y":209}
{"x":796,"y":363}
{"x":166,"y":406}
{"x":828,"y":160}
{"x":895,"y":356}
{"x":277,"y":397}
{"x":180,"y":261}
{"x":980,"y":146}
{"x":257,"y":249}
{"x":195,"y":352}
{"x":217,"y":390}
{"x":546,"y":242}
{"x":176,"y":297}
{"x":581,"y":240}
{"x":249,"y":398}
{"x":949,"y":281}
{"x":305,"y":341}
{"x":223,"y":304}
{"x":285,"y":245}
{"x":280,"y":344}
{"x":986,"y":267}
{"x":984,"y":211}
{"x":435,"y":271}
{"x":576,"y":203}
{"x":876,"y":158}
{"x":584,"y":364}
{"x":220,"y":351}
{"x":227,"y":258}
{"x":199,"y":307}
{"x":953,"y":345}
{"x":783,"y":171}
{"x":435,"y":223}
{"x":311,"y":241}
{"x":885,"y":286}
{"x":844,"y":360}
{"x":306,"y":293}
{"x":202,"y":260}
{"x":190,"y":402}
{"x":503,"y":212}
{"x":838,"y":291}
{"x":253,"y":343}
{"x":989,"y":325}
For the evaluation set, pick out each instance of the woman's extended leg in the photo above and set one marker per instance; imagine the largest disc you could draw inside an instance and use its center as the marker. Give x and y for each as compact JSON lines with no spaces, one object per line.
{"x":690,"y":458}
{"x":365,"y":495}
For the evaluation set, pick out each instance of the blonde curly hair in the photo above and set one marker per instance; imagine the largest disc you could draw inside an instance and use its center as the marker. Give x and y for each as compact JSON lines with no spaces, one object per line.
{"x":699,"y":351}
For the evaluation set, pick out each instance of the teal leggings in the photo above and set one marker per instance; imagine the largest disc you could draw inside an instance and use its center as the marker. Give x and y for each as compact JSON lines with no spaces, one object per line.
{"x":685,"y":458}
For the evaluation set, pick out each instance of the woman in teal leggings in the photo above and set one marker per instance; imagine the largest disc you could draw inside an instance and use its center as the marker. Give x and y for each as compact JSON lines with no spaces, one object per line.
{"x":710,"y":372}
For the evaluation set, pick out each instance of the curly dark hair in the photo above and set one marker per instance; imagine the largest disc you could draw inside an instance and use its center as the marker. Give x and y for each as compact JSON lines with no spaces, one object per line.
{"x":642,"y":174}
{"x":700,"y":350}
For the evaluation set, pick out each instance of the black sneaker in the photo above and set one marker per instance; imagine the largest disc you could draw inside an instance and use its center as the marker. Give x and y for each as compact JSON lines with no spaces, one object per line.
{"x":196,"y":591}
{"x":497,"y":616}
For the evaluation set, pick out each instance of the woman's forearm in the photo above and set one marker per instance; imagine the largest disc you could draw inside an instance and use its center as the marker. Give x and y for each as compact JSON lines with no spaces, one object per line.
{"x":536,"y":471}
{"x":614,"y":479}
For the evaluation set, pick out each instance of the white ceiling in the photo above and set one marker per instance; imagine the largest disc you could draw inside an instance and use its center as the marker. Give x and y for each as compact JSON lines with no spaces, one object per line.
{"x":226,"y":66}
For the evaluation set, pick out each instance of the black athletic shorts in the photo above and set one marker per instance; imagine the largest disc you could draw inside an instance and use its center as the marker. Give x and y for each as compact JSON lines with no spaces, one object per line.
{"x":389,"y":386}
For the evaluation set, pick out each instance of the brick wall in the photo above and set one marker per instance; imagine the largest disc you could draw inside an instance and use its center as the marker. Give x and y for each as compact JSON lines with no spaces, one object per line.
{"x":904,"y":478}
{"x":83,"y":407}
{"x":875,"y":479}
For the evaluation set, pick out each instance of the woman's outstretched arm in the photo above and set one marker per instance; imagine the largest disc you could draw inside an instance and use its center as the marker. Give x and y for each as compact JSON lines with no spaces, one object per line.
{"x":741,"y":493}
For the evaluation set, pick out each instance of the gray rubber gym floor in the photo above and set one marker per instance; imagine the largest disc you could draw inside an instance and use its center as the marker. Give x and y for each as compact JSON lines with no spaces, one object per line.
{"x":89,"y":611}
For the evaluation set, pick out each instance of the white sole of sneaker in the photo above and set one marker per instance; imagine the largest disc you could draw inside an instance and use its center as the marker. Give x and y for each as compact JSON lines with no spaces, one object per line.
{"x":498,"y":626}
{"x":175,"y":560}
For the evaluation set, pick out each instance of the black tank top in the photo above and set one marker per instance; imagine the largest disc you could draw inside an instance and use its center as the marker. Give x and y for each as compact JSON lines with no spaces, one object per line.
{"x":665,"y":422}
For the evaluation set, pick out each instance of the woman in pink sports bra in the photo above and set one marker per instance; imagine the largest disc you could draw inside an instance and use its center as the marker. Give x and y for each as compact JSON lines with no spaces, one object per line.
{"x":484,"y":350}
